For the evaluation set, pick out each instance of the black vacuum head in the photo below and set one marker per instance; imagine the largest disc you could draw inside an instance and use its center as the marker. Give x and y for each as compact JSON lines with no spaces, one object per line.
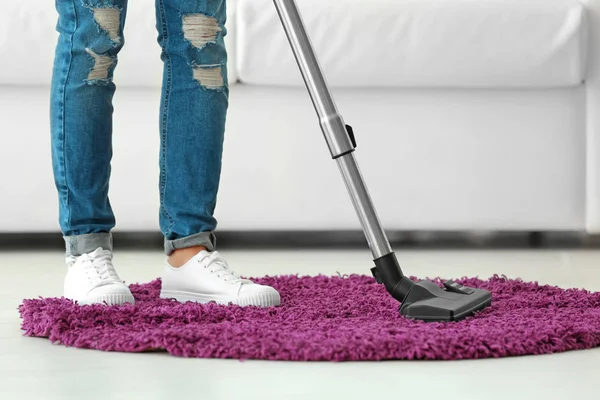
{"x":427,"y":301}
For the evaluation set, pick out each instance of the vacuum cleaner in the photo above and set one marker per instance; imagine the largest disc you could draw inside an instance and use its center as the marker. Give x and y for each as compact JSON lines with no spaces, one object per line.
{"x":422,"y":300}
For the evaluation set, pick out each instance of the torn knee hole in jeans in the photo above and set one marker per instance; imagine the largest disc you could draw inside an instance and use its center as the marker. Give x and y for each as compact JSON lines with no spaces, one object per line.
{"x":109,"y":19}
{"x":200,"y":29}
{"x":209,"y":76}
{"x":102,"y":65}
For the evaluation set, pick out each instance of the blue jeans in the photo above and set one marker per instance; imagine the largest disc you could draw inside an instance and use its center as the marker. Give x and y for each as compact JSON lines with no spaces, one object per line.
{"x":192,"y":118}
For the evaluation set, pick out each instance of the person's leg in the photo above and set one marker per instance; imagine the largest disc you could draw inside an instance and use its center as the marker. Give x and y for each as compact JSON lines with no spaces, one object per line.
{"x":194,"y":107}
{"x":91,"y":35}
{"x":193,"y":111}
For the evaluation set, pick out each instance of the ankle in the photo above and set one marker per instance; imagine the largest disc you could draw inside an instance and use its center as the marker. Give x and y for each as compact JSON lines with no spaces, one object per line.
{"x":181,"y":256}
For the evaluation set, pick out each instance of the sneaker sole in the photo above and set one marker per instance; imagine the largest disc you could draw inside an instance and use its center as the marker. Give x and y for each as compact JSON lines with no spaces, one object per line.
{"x":110,"y":299}
{"x":259,"y":299}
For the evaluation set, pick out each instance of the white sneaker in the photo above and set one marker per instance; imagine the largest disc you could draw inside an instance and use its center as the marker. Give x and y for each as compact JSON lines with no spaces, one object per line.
{"x":92,"y":279}
{"x":207,"y":277}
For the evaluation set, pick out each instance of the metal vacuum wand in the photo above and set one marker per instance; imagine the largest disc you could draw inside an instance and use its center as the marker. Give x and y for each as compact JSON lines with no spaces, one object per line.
{"x":415,"y":297}
{"x":341,"y":142}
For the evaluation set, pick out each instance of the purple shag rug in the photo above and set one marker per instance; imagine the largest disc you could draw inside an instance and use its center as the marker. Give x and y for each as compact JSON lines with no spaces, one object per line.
{"x":343,"y":318}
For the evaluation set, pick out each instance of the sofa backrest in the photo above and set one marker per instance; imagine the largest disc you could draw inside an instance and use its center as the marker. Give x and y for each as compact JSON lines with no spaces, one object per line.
{"x":360,"y":43}
{"x":420,"y":43}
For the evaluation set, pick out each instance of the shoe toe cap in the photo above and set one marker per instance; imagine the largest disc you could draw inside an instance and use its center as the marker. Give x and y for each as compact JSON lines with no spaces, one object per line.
{"x":113,"y":294}
{"x":259,"y":295}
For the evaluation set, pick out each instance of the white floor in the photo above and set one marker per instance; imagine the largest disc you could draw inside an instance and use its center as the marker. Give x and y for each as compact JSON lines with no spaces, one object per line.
{"x":32,"y":368}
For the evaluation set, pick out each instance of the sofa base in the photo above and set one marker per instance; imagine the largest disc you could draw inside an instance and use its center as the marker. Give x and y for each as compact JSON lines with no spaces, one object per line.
{"x":432,"y":159}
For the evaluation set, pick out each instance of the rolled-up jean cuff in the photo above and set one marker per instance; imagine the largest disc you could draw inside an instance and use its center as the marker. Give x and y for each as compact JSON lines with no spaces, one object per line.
{"x":206,"y":239}
{"x":77,"y":245}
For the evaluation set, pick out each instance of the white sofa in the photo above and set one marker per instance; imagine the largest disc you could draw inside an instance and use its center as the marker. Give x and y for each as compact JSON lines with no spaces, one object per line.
{"x":469,"y":115}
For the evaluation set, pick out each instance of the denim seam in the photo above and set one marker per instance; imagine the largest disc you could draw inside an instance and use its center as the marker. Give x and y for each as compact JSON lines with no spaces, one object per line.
{"x":165,"y":116}
{"x":64,"y":108}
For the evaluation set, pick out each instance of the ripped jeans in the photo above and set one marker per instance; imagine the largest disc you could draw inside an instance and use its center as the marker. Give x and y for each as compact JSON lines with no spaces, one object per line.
{"x":192,"y":118}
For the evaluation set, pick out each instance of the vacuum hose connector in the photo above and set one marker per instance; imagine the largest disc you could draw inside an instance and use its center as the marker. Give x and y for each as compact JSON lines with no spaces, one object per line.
{"x":388,"y":271}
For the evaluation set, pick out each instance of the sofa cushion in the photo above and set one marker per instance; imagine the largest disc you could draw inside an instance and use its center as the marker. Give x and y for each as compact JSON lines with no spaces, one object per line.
{"x":420,"y":43}
{"x":28,"y":40}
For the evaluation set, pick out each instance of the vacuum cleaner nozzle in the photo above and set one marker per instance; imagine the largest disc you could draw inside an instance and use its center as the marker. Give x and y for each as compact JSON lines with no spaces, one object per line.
{"x":425,"y":300}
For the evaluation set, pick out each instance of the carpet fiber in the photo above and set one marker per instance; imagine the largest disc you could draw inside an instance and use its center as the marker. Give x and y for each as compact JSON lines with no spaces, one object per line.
{"x":325,"y":318}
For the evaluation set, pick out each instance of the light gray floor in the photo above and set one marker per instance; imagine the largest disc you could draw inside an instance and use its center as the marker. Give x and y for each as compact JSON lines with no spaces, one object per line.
{"x":32,"y":368}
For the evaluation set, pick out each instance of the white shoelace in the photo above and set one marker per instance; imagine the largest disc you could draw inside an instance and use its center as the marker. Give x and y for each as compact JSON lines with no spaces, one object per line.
{"x":99,"y":270}
{"x":217,"y":265}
